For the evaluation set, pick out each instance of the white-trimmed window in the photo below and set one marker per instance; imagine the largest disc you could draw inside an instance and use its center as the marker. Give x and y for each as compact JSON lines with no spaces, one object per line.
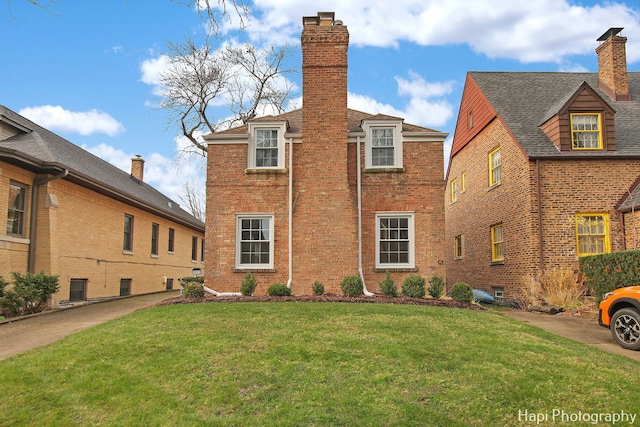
{"x":254,"y":241}
{"x":383,"y":144}
{"x":266,"y":145}
{"x":394,"y":240}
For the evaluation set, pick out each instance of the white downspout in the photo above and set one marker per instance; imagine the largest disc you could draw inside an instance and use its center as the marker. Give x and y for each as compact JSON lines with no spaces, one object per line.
{"x":359,"y":161}
{"x":290,"y":213}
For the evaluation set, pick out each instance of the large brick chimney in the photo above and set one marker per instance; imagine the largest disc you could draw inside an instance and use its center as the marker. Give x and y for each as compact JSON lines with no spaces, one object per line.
{"x":325,"y":234}
{"x":612,"y":65}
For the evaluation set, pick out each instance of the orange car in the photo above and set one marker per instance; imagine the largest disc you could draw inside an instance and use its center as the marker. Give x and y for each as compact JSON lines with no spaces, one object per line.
{"x":620,"y":312}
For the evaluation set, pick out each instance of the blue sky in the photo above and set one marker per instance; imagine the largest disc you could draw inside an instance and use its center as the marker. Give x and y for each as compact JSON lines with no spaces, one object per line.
{"x":88,"y":70}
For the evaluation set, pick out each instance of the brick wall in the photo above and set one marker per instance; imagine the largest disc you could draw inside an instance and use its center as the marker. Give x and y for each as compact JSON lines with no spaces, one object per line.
{"x":79,"y":235}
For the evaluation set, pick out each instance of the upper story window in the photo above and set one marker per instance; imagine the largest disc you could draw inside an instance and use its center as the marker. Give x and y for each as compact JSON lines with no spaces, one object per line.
{"x":395,"y":241}
{"x":266,"y":145}
{"x":586,"y":131}
{"x":454,"y":190}
{"x":16,"y":209}
{"x":127,"y":244}
{"x":155,"y":231}
{"x":457,"y":247}
{"x":172,"y":240}
{"x":495,"y":167}
{"x":254,"y":241}
{"x":497,"y":243}
{"x":383,"y":144}
{"x":592,"y":234}
{"x":463,"y":182}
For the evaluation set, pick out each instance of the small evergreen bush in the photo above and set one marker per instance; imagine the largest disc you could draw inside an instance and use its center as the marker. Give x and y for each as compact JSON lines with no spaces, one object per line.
{"x":436,"y":286}
{"x":317,"y":288}
{"x":248,"y":286}
{"x":192,"y":289}
{"x":30,"y":293}
{"x":461,"y":291}
{"x":352,"y":286}
{"x":279,"y":290}
{"x":388,"y":287}
{"x":414,"y":287}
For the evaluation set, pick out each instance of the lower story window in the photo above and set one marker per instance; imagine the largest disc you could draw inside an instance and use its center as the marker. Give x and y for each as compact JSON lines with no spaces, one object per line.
{"x":592,"y":234}
{"x":395,"y":242}
{"x":457,"y":247}
{"x":77,"y":290}
{"x":125,"y":287}
{"x":254,"y":241}
{"x":497,"y":243}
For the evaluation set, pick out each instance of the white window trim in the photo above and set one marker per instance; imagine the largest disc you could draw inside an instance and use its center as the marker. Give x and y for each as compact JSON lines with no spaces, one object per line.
{"x":265,"y":266}
{"x":412,"y":242}
{"x":281,"y":127}
{"x":396,"y":125}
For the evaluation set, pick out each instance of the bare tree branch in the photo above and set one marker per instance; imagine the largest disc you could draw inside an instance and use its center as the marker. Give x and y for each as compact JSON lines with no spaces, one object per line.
{"x":193,"y":201}
{"x":214,"y":11}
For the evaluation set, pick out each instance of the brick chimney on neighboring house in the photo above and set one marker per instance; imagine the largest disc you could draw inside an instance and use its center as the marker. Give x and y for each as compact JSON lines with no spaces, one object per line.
{"x":612,"y":65}
{"x":325,"y":234}
{"x":137,"y":167}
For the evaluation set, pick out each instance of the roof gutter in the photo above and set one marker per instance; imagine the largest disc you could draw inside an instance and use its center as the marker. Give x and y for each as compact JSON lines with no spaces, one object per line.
{"x":32,"y":220}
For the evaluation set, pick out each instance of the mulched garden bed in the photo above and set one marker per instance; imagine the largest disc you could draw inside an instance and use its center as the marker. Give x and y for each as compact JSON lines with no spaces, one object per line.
{"x":377,"y":299}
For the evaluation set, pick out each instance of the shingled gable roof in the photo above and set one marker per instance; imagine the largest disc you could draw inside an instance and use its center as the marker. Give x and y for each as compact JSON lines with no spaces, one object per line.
{"x":42,"y":151}
{"x":354,"y":121}
{"x":525,"y":100}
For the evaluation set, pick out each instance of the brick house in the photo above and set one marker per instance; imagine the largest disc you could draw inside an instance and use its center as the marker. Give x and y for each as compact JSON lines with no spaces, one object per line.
{"x":323,"y":192}
{"x":103,"y":231}
{"x":539,"y":169}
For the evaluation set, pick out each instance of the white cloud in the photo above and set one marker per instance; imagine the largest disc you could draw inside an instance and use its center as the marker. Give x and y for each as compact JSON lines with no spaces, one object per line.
{"x":427,"y":105}
{"x":522,"y":30}
{"x":57,"y":118}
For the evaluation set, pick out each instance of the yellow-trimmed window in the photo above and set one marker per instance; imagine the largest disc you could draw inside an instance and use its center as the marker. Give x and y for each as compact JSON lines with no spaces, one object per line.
{"x":495,"y":167}
{"x":463,"y":182}
{"x":454,"y":190}
{"x":592,"y":234}
{"x":497,"y":243}
{"x":586,"y":131}
{"x":457,"y":248}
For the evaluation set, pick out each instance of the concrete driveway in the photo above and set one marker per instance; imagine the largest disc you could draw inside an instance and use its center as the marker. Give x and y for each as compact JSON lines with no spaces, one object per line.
{"x":580,"y":329}
{"x":44,"y":328}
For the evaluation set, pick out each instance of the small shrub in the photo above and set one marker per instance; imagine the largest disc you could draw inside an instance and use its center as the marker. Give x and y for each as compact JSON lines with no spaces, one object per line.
{"x":436,"y":286}
{"x":317,"y":288}
{"x":11,"y":304}
{"x":279,"y":290}
{"x":352,"y":286}
{"x":248,"y":286}
{"x":192,"y":289}
{"x":562,"y":287}
{"x":388,"y":287}
{"x":461,"y":291}
{"x":414,"y":287}
{"x":31,"y":292}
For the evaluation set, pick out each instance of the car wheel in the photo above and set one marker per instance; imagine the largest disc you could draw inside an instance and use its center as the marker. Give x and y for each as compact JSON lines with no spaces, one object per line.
{"x":625,"y":328}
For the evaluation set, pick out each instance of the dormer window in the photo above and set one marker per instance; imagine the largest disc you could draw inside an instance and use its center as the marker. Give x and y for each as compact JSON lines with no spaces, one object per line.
{"x":586,"y":131}
{"x":266,"y":145}
{"x":383,"y":144}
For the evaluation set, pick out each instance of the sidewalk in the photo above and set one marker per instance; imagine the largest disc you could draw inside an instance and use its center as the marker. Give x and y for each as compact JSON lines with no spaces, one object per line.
{"x":580,"y":329}
{"x":33,"y":331}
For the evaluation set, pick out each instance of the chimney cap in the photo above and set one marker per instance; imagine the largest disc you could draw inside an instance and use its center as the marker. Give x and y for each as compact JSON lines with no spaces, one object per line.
{"x":613,"y":31}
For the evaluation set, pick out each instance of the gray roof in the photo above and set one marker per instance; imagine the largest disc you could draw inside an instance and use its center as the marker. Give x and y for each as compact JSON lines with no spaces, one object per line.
{"x":526,"y":100}
{"x":45,"y":152}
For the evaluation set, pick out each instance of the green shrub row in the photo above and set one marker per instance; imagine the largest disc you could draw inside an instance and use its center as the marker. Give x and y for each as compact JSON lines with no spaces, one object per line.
{"x":413,"y":286}
{"x":30,"y":293}
{"x":606,"y":272}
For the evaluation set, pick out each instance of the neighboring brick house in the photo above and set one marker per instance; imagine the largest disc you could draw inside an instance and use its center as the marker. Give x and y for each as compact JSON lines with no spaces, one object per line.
{"x":539,"y":165}
{"x":361,"y":194}
{"x":104,"y":232}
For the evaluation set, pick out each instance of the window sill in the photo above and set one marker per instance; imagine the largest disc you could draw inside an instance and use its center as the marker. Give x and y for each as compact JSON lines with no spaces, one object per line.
{"x":15,"y":239}
{"x":497,"y":262}
{"x":265,"y":171}
{"x":154,"y":256}
{"x":125,"y":252}
{"x":254,"y":270}
{"x":396,"y":269}
{"x":384,"y":170}
{"x":494,"y":186}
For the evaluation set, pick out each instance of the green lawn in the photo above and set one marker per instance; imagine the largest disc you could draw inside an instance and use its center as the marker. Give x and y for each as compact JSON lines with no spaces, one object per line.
{"x":299,"y":364}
